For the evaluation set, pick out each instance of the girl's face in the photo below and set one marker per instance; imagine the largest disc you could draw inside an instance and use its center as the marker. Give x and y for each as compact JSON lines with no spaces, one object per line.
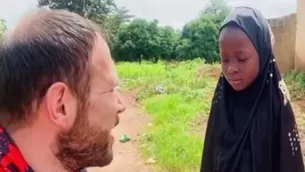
{"x":239,"y":58}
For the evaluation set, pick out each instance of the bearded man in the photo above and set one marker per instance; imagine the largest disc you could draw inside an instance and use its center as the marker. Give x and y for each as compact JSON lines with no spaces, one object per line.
{"x":58,"y":96}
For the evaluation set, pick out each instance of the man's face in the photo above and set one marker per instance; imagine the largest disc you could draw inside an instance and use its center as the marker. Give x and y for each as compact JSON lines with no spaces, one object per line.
{"x":89,"y":142}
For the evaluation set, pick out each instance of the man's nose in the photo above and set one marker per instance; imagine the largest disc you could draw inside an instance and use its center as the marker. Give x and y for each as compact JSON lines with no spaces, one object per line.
{"x":120,"y":103}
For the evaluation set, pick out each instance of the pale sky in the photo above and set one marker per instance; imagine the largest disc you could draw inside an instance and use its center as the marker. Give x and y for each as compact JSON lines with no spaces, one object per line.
{"x":169,"y":12}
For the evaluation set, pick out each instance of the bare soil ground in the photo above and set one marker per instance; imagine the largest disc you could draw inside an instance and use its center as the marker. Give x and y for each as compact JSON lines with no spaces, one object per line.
{"x":132,"y":122}
{"x":126,"y":155}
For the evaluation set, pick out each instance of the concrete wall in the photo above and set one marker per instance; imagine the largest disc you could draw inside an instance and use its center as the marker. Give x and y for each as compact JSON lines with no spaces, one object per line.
{"x":284,"y":30}
{"x":300,"y":35}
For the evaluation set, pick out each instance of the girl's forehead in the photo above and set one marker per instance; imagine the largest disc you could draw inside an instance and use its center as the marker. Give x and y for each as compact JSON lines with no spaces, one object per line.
{"x":232,"y":34}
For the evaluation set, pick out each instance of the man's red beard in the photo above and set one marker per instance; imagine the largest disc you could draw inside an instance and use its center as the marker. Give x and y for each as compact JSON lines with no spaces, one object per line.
{"x":84,"y":145}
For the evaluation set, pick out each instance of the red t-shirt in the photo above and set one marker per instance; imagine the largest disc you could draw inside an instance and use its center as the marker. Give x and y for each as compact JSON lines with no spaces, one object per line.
{"x":11,"y":159}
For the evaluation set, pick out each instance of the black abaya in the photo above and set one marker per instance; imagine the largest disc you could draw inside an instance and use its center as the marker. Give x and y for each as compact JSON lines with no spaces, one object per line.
{"x":253,"y":130}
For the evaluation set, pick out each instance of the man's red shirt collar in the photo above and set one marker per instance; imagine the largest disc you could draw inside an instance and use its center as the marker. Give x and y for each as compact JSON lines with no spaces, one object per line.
{"x":11,"y":159}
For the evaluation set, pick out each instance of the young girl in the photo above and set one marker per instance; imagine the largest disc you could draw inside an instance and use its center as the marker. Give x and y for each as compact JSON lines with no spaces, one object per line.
{"x":251,"y":127}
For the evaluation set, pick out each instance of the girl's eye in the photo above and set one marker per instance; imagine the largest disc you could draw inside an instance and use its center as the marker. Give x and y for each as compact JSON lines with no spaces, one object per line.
{"x":242,"y":60}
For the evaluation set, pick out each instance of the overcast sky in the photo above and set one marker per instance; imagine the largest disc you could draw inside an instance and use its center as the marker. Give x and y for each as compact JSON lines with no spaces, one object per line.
{"x":169,"y":12}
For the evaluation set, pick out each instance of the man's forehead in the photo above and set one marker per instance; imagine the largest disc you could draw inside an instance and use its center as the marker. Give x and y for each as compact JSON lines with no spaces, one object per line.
{"x":102,"y":64}
{"x":110,"y":78}
{"x":101,"y":51}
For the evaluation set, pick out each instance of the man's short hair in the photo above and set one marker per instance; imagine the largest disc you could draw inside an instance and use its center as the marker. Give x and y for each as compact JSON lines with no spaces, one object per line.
{"x":47,"y":46}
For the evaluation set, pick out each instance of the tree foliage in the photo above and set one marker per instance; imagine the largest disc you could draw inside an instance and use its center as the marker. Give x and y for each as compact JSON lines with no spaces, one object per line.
{"x":141,"y":39}
{"x":103,"y":12}
{"x":96,"y":10}
{"x":113,"y":21}
{"x":3,"y":28}
{"x":216,"y":11}
{"x":201,"y":35}
{"x":134,"y":39}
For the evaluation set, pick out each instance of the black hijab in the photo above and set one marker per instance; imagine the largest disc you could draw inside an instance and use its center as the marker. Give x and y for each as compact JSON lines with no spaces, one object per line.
{"x":253,"y":130}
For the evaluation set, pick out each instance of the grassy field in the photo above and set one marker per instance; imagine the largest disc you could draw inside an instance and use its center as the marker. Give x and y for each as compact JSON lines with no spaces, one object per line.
{"x":178,"y":97}
{"x":296,"y":84}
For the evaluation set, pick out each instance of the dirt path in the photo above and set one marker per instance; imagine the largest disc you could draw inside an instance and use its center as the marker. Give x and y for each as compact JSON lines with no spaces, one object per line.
{"x":133,"y":123}
{"x":126,"y":156}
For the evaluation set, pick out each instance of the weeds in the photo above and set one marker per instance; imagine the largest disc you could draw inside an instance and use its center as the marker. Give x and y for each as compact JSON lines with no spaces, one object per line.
{"x":188,"y":93}
{"x":188,"y":88}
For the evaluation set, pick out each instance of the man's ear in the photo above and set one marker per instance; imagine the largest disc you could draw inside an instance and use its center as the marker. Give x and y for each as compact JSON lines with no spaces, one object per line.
{"x":60,"y":106}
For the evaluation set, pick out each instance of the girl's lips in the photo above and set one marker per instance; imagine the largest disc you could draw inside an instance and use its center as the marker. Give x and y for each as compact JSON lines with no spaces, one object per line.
{"x":235,"y":82}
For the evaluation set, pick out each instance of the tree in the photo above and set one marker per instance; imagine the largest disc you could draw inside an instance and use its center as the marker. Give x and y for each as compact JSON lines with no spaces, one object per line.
{"x":137,"y":39}
{"x":181,"y":50}
{"x":216,"y":11}
{"x":168,"y":42}
{"x":3,"y":29}
{"x":95,"y":10}
{"x":141,"y":39}
{"x":113,"y":21}
{"x":199,"y":39}
{"x":216,"y":7}
{"x":122,"y":15}
{"x":132,"y":41}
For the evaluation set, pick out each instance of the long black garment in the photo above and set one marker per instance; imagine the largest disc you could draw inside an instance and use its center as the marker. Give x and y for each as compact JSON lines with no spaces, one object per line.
{"x":253,"y":130}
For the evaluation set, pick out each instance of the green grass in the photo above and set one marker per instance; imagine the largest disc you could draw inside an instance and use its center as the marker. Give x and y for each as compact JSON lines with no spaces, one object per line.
{"x":188,"y":92}
{"x":182,"y":108}
{"x":295,"y":82}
